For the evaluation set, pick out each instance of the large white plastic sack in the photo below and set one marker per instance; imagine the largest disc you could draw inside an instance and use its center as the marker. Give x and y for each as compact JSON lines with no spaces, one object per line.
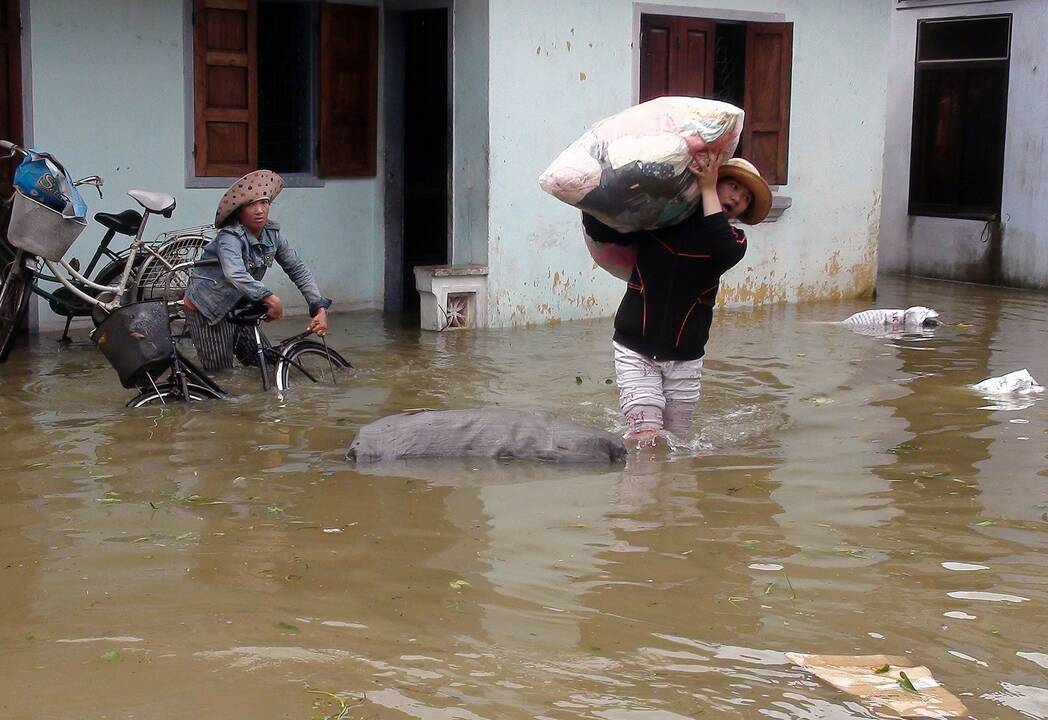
{"x":912,"y":318}
{"x":1019,"y":382}
{"x":630,"y":170}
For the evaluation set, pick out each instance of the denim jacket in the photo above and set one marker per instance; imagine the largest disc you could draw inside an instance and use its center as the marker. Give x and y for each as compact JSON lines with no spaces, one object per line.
{"x":244,"y":259}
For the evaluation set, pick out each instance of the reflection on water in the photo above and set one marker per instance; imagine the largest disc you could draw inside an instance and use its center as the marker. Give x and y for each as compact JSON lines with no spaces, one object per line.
{"x":844,"y":494}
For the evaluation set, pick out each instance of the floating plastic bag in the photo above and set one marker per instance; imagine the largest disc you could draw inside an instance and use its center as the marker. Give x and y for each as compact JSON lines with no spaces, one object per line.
{"x":630,"y":170}
{"x":1019,"y":382}
{"x":910,"y":319}
{"x":885,"y":682}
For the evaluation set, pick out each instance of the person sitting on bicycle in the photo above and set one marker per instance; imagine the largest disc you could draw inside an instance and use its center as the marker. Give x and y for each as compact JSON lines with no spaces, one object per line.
{"x":246,"y":245}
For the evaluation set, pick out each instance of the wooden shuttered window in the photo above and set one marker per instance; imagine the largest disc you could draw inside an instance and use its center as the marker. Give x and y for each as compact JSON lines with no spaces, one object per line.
{"x":766,"y":133}
{"x":225,"y":59}
{"x":348,"y":90}
{"x":677,"y":56}
{"x":225,"y":62}
{"x":10,"y":86}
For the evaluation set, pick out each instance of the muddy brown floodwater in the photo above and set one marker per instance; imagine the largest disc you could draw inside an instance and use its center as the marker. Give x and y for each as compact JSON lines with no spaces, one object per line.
{"x":845,"y":494}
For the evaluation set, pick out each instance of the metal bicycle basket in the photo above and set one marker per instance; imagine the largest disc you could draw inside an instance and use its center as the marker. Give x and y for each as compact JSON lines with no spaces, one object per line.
{"x":41,"y":230}
{"x":136,"y":340}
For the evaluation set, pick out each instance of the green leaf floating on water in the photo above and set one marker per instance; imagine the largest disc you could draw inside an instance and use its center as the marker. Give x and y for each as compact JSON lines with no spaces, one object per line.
{"x":459,"y":584}
{"x":111,"y":655}
{"x":578,"y":379}
{"x":288,"y":626}
{"x":905,"y":684}
{"x":882,"y":669}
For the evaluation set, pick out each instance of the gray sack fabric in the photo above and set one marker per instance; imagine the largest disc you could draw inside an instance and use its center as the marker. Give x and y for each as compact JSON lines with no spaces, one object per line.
{"x":491,"y":433}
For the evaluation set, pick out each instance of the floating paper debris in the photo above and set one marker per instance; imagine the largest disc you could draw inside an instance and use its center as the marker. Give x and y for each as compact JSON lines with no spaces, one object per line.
{"x":906,"y":689}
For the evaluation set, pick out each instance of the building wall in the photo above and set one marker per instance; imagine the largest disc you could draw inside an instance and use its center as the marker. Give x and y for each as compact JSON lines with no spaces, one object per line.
{"x":107,"y":98}
{"x":964,"y":249}
{"x":558,"y":67}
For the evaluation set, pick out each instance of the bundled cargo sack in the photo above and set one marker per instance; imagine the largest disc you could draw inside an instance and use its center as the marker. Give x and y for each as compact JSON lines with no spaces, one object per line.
{"x":630,"y":170}
{"x":615,"y":259}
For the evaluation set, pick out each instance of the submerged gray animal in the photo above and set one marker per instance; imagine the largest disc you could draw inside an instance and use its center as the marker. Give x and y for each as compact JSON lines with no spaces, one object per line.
{"x":487,"y":432}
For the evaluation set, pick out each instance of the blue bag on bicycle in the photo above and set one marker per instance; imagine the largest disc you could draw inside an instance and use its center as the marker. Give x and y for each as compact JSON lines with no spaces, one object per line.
{"x":48,"y":213}
{"x":41,"y":178}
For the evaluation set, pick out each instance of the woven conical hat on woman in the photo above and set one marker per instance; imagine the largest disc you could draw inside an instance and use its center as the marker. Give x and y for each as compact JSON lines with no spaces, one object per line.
{"x":253,"y":186}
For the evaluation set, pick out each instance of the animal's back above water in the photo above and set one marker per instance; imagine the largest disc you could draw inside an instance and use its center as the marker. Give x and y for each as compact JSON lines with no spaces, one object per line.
{"x":490,"y":433}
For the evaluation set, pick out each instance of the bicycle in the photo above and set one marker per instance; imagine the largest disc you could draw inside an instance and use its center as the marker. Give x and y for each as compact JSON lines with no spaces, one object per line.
{"x":130,"y":275}
{"x":293,"y":359}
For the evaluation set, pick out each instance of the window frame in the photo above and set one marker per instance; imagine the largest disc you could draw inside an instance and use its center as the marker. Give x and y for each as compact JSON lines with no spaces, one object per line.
{"x":956,"y":211}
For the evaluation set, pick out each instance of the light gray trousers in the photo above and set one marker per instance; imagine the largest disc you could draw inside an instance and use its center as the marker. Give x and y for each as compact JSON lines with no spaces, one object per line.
{"x":656,"y":394}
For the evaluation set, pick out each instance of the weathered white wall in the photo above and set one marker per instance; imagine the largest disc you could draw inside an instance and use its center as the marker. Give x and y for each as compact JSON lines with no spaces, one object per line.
{"x":959,"y":249}
{"x":558,"y":67}
{"x":108,"y":99}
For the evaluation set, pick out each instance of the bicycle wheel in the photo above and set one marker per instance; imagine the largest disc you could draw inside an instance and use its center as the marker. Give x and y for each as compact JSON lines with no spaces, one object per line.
{"x":153,"y":275}
{"x":171,"y":391}
{"x":323,"y":364}
{"x":16,"y":284}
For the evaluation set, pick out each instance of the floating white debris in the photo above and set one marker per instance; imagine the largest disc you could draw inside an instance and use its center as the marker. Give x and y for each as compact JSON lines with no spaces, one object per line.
{"x":963,"y":567}
{"x":1019,"y":382}
{"x":969,"y":658}
{"x":1035,"y":657}
{"x":959,"y":615}
{"x":772,"y":567}
{"x":991,"y":597}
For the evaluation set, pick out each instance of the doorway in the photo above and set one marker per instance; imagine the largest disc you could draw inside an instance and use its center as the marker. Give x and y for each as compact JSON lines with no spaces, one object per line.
{"x":418,"y":150}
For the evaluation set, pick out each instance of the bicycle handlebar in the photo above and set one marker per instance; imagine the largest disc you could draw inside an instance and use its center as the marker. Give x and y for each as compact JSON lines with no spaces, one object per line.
{"x":12,"y":149}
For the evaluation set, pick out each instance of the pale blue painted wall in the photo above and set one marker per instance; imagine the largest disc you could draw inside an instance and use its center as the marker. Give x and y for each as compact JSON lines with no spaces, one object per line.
{"x":108,"y":98}
{"x":543,"y":94}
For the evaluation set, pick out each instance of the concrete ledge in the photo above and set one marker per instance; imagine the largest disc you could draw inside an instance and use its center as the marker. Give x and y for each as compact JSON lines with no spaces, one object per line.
{"x":452,"y":297}
{"x":779,"y":204}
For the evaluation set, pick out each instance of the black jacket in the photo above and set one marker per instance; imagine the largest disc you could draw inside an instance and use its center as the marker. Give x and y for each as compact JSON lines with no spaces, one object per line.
{"x":668,"y":306}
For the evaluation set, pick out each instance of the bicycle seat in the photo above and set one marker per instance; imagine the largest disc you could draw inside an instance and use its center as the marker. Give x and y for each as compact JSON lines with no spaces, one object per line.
{"x":126,"y":223}
{"x":154,"y":202}
{"x":248,"y":313}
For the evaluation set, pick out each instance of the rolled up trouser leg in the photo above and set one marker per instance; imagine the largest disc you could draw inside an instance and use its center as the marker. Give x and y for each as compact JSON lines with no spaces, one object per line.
{"x":681,"y":383}
{"x":640,"y":389}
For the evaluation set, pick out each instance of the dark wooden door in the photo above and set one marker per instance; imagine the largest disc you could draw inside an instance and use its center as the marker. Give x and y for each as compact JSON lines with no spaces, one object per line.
{"x":10,"y":85}
{"x":426,"y":150}
{"x":677,"y":55}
